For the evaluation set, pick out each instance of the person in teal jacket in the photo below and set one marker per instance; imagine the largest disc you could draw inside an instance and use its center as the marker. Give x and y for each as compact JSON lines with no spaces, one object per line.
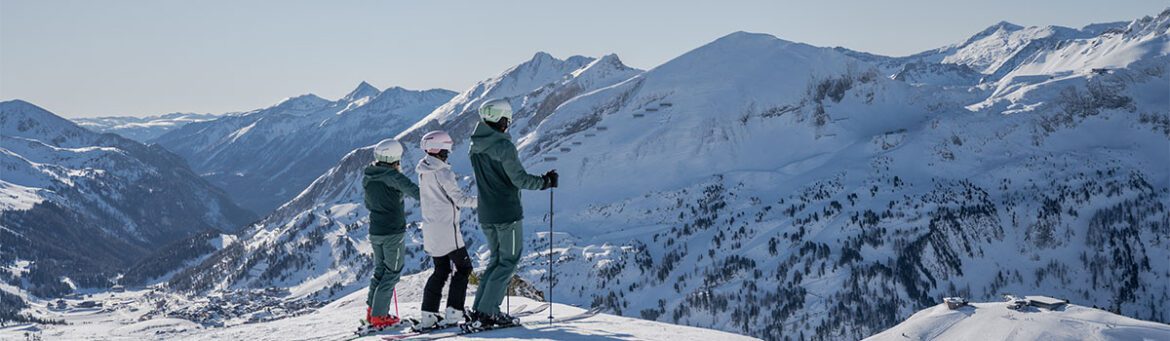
{"x":499,"y":177}
{"x":384,"y":187}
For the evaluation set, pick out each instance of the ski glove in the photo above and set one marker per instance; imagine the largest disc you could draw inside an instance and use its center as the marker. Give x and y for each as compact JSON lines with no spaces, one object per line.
{"x":550,"y":179}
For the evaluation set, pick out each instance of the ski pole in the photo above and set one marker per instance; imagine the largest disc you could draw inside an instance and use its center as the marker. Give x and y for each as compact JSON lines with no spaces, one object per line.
{"x":396,"y":303}
{"x":550,"y":255}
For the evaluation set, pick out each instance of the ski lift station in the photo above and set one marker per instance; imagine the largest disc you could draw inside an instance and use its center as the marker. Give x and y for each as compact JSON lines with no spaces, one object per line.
{"x":1049,"y":303}
{"x":955,"y":302}
{"x":1046,"y":302}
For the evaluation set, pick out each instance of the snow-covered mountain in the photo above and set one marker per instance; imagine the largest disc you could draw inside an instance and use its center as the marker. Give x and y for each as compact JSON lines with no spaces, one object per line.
{"x":849,"y":201}
{"x":264,"y":157}
{"x":754,"y":169}
{"x":141,"y":129}
{"x":316,"y":243}
{"x":82,"y":206}
{"x":994,"y":321}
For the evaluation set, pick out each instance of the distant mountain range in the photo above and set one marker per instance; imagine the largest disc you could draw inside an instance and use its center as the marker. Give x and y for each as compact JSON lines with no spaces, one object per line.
{"x":264,"y":157}
{"x":847,"y":190}
{"x":84,"y":206}
{"x":141,"y":129}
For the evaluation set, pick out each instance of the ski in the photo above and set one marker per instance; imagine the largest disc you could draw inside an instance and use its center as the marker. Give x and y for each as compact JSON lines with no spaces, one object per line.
{"x":461,"y":332}
{"x":410,"y":333}
{"x":367,"y":330}
{"x":538,"y":309}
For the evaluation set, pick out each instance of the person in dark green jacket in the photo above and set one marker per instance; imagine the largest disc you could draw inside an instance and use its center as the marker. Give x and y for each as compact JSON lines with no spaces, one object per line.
{"x":384,"y":187}
{"x":499,"y":177}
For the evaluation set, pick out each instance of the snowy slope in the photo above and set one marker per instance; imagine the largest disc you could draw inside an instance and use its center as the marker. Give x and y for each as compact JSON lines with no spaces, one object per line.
{"x":990,"y":55}
{"x":141,"y":129}
{"x":897,"y":196}
{"x":1128,"y":57}
{"x":993,"y":321}
{"x":84,"y":205}
{"x":754,"y":169}
{"x":264,"y":157}
{"x":121,"y":319}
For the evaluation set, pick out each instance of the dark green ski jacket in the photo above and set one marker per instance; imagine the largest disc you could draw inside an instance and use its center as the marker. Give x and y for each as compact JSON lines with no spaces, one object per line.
{"x":384,"y":188}
{"x":499,"y":176}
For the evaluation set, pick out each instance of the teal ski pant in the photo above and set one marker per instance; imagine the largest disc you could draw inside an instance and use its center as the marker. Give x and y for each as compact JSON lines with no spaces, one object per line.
{"x":505,"y":241}
{"x":388,"y":261}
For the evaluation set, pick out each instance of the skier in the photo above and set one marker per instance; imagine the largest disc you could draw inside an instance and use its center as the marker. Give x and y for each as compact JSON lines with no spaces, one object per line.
{"x":442,"y":239}
{"x":384,"y":186}
{"x":499,"y":178}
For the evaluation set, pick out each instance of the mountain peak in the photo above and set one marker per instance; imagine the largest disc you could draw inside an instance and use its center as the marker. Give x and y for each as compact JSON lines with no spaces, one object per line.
{"x":542,"y":66}
{"x":603,"y":66}
{"x":739,"y":44}
{"x":744,"y":36}
{"x":303,"y":99}
{"x":15,"y":102}
{"x":541,"y":56}
{"x":19,"y":118}
{"x":302,"y":103}
{"x":363,"y":90}
{"x":22,"y":108}
{"x":1000,"y":26}
{"x":611,"y":58}
{"x":544,"y":59}
{"x":746,"y":40}
{"x":1004,"y":24}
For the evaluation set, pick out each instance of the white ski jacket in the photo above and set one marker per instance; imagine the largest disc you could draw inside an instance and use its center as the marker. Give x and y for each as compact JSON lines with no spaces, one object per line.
{"x":441,"y":198}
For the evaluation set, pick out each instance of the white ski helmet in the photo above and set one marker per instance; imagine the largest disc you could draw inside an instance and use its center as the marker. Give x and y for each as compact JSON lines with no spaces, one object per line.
{"x":494,"y":110}
{"x":435,"y":141}
{"x":389,"y":151}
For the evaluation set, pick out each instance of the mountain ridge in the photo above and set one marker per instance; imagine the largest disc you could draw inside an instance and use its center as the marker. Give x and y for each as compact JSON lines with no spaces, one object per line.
{"x":88,"y":204}
{"x":265,"y":156}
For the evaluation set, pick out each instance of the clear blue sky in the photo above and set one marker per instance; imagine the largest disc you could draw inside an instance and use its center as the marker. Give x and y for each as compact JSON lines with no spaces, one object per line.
{"x":99,"y":58}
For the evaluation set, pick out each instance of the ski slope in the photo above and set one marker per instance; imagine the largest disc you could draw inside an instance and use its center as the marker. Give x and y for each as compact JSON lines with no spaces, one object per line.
{"x":121,"y":318}
{"x":993,"y":321}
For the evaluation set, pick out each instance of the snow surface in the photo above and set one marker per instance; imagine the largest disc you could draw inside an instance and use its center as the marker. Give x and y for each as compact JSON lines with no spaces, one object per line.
{"x":17,"y":197}
{"x":994,"y":321}
{"x":121,"y":319}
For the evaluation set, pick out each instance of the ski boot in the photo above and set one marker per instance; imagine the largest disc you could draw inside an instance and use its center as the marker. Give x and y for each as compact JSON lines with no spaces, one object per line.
{"x":428,"y":321}
{"x":378,"y":323}
{"x":481,"y":321}
{"x":451,"y":317}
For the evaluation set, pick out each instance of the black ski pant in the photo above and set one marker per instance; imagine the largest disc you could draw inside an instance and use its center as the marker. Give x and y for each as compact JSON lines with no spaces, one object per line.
{"x":457,"y":294}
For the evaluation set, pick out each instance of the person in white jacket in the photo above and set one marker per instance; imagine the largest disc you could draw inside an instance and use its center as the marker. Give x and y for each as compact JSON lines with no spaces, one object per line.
{"x":441,"y":198}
